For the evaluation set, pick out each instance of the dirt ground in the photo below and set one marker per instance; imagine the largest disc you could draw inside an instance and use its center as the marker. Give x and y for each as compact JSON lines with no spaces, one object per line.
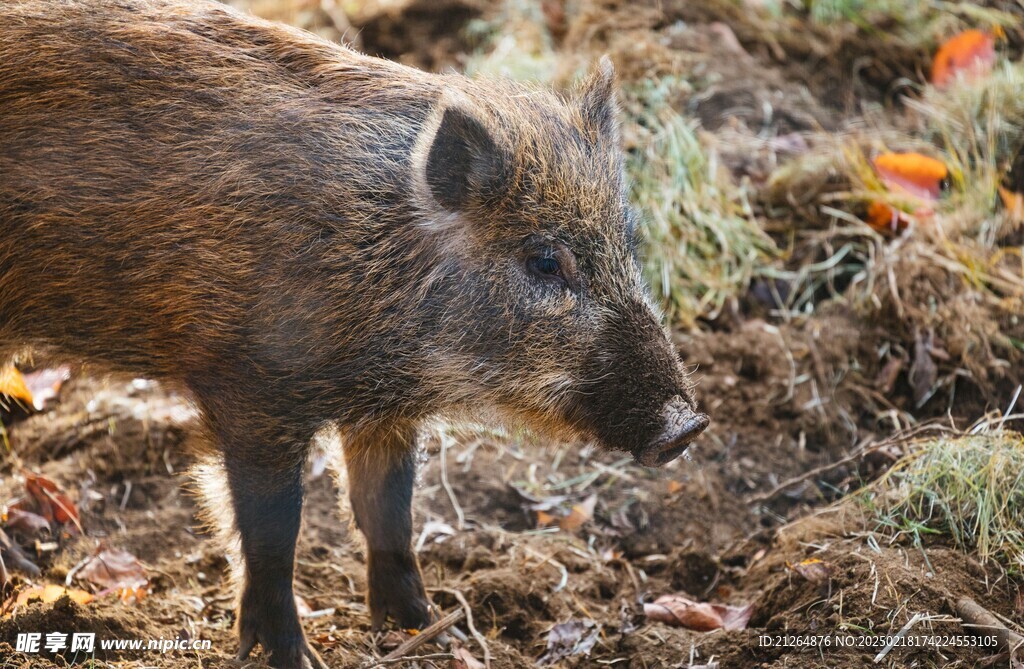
{"x":701,"y":526}
{"x":731,"y":524}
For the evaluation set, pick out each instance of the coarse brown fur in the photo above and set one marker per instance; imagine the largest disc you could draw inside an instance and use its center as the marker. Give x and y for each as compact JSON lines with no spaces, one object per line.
{"x":298,"y":234}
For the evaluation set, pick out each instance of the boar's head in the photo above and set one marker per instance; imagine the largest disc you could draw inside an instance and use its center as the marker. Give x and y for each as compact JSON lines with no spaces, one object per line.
{"x":545,"y":314}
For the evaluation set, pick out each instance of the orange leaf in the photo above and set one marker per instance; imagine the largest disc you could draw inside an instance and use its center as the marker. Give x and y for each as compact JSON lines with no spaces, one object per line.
{"x":1014,"y":203}
{"x":12,"y":384}
{"x":970,"y":54}
{"x":885,"y":219}
{"x":912,"y":173}
{"x":580,"y":515}
{"x":132,"y":595}
{"x":47,"y":594}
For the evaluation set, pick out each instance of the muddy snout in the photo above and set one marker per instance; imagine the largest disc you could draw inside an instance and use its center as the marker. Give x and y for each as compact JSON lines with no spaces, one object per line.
{"x":682,"y":426}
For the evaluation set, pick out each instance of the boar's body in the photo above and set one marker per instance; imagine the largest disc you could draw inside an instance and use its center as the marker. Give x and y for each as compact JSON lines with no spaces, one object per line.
{"x":208,"y":201}
{"x":298,"y":234}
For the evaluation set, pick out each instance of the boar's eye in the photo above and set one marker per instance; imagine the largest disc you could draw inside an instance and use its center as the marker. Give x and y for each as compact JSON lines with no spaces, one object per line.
{"x":546,"y":267}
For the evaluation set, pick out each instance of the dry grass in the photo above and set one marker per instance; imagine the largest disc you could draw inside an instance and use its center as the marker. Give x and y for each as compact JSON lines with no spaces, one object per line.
{"x":957,"y":274}
{"x":703,"y":243}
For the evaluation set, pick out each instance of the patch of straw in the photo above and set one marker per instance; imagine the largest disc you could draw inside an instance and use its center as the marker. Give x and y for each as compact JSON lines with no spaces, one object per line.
{"x":703,"y":244}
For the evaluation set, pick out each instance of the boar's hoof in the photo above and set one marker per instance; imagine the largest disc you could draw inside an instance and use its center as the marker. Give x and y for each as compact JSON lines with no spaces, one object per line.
{"x":408,"y":612}
{"x":682,"y":426}
{"x":287,"y":649}
{"x":400,"y":596}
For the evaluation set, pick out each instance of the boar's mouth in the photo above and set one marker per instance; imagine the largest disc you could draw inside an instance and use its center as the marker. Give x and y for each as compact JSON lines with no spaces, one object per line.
{"x":683,"y":426}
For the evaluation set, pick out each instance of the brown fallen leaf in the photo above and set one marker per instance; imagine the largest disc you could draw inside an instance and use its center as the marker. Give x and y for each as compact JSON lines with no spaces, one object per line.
{"x":814,"y":570}
{"x":887,"y":377}
{"x":327,"y":640}
{"x":12,"y":555}
{"x":26,"y":521}
{"x":580,"y":515}
{"x":464,"y":659}
{"x":576,"y":637}
{"x":923,"y":373}
{"x":54,"y":504}
{"x":681,"y":611}
{"x":114,"y":569}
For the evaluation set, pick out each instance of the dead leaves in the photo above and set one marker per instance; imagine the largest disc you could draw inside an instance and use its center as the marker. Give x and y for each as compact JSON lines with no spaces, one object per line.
{"x":576,"y":637}
{"x":464,"y":659}
{"x":813,"y":570}
{"x":924,"y":371}
{"x":45,"y":594}
{"x":26,"y":522}
{"x":30,"y":391}
{"x":114,"y":570}
{"x":51,"y":502}
{"x":35,"y":519}
{"x":578,"y":516}
{"x":681,"y":611}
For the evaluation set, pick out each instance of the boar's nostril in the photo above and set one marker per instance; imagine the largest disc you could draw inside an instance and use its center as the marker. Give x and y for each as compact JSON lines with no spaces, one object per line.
{"x":682,"y":426}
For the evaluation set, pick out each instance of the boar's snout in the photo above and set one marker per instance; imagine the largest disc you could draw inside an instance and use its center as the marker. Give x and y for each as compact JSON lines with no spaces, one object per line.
{"x":640,"y":399}
{"x":682,"y":426}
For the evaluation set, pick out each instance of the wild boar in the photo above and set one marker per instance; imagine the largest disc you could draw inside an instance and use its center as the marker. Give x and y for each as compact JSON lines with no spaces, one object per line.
{"x":298,"y":235}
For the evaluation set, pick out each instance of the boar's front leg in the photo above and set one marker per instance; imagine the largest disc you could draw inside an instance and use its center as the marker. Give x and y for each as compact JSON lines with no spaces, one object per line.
{"x":381,"y":471}
{"x":266,"y":491}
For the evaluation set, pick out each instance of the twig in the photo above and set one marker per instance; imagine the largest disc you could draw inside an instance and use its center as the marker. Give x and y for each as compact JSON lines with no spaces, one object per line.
{"x":425,"y":635}
{"x":413,"y":658}
{"x":975,"y":616}
{"x":1009,"y":409}
{"x":899,"y":635}
{"x":765,"y":496}
{"x":461,"y":524}
{"x":905,"y":437}
{"x":481,"y":641}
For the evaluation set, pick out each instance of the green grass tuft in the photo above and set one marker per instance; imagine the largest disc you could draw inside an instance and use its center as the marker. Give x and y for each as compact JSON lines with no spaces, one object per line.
{"x":970,"y":488}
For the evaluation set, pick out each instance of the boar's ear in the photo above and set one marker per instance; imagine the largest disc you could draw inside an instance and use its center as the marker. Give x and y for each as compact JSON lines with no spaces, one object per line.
{"x":463,"y":164}
{"x":597,"y":100}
